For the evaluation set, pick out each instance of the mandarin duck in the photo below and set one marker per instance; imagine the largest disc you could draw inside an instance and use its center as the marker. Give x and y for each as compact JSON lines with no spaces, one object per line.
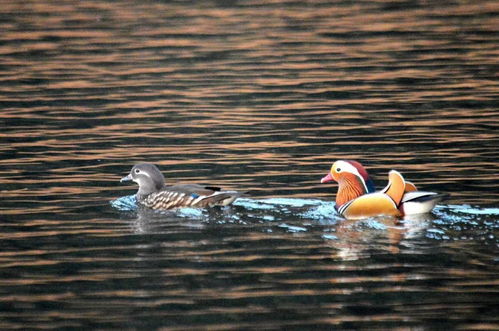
{"x":356,"y":197}
{"x":155,"y":194}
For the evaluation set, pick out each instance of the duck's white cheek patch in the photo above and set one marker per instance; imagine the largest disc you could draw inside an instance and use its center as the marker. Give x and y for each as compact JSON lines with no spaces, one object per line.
{"x":146,"y":174}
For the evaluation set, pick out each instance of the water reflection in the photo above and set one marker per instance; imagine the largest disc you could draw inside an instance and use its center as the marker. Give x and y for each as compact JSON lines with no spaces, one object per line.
{"x":299,"y":216}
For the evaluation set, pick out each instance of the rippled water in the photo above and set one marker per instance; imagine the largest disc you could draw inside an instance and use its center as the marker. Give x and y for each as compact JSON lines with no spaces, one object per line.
{"x":260,"y":96}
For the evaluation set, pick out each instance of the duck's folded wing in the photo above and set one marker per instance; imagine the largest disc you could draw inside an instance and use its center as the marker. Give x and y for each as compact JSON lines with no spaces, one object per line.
{"x":168,"y":199}
{"x":222,"y":198}
{"x":193,"y":195}
{"x":193,"y":189}
{"x":421,"y":196}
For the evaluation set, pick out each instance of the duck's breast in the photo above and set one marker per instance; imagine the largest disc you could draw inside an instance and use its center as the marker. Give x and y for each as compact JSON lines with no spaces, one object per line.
{"x":368,"y":205}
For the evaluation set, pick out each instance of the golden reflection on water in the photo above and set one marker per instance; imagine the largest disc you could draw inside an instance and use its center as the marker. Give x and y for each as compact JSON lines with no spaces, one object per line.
{"x":261,"y":97}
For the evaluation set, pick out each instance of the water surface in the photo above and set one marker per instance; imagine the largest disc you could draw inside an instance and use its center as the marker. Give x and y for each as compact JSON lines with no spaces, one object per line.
{"x":260,"y":96}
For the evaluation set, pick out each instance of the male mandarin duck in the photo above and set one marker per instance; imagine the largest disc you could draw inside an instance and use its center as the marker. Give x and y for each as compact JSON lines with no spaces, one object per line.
{"x":155,"y":194}
{"x":356,"y":197}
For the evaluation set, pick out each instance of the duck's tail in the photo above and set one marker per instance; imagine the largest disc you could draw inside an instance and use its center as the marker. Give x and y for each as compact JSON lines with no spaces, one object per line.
{"x":420,"y":202}
{"x":222,"y":198}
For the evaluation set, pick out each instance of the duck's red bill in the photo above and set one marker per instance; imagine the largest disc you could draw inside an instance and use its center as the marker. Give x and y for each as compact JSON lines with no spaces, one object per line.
{"x":327,"y":178}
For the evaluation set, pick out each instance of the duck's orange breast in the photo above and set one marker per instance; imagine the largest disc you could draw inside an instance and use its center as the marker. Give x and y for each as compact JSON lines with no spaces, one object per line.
{"x":369,"y":205}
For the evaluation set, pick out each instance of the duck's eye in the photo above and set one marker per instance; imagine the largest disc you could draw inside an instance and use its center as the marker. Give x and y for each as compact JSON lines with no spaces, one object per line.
{"x":137,"y":171}
{"x":338,"y":169}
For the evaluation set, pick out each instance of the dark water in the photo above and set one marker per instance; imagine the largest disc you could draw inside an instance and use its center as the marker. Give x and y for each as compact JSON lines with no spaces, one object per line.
{"x":253,"y":95}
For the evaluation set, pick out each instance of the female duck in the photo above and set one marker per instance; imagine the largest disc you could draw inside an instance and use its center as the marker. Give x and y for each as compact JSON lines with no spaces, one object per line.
{"x":154,"y":194}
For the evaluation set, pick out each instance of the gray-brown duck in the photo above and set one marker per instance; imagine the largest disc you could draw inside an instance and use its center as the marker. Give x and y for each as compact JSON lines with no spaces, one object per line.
{"x":155,"y":194}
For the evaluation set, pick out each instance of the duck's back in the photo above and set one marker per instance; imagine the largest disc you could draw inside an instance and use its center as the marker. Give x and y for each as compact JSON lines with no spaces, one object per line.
{"x":189,"y":195}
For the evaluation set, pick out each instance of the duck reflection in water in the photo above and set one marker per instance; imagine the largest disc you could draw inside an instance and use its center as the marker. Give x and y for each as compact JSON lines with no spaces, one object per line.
{"x":357,"y":239}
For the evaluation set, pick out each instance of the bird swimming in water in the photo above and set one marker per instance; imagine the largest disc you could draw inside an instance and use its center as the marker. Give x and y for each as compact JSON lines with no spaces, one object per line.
{"x":155,"y":194}
{"x":357,"y":198}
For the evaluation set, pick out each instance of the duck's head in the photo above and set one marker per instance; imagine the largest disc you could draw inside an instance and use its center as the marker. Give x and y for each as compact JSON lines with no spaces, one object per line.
{"x":352,"y":178}
{"x":148,"y":176}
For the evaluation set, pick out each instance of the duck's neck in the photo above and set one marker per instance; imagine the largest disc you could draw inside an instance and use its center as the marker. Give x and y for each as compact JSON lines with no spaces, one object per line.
{"x":142,"y":194}
{"x":148,"y":188}
{"x":349,"y":188}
